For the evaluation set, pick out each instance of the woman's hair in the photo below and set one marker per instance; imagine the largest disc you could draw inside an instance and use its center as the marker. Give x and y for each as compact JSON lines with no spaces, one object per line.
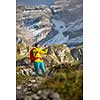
{"x":36,"y":44}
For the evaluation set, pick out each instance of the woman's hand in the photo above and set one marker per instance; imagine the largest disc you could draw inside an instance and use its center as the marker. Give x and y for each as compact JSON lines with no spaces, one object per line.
{"x":45,"y":46}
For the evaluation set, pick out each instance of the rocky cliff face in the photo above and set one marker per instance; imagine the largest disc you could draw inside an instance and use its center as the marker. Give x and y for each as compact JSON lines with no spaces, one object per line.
{"x":57,"y":55}
{"x":67,"y":23}
{"x":61,"y":23}
{"x":77,"y":53}
{"x":33,"y":23}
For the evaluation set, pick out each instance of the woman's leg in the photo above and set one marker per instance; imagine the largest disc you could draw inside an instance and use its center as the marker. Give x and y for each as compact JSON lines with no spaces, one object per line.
{"x":36,"y":65}
{"x":42,"y":67}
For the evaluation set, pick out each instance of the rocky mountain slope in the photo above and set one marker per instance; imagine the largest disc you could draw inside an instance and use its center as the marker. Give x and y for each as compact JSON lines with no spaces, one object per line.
{"x":60,"y":23}
{"x":64,"y":82}
{"x":67,"y":23}
{"x":57,"y":55}
{"x":32,"y":23}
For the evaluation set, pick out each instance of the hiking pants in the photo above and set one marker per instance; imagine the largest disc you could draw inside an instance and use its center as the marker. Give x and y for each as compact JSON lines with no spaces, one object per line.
{"x":40,"y":65}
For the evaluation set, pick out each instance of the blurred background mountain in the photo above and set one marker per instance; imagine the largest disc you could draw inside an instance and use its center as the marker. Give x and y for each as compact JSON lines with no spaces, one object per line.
{"x":60,"y":23}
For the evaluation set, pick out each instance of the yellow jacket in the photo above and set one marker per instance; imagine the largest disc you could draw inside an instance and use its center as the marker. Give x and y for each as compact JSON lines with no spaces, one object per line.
{"x":38,"y":52}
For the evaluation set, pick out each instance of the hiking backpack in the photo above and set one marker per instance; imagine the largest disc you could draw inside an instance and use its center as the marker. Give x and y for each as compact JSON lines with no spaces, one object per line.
{"x":32,"y":56}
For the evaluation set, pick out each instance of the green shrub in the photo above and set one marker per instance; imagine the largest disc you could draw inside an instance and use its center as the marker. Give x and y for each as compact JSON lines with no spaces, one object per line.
{"x":67,"y":84}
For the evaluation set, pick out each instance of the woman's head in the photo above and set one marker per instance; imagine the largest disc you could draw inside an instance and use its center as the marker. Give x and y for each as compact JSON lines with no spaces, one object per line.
{"x":37,"y":45}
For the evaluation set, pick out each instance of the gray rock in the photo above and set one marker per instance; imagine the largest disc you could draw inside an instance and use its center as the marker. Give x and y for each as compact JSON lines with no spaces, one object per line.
{"x":29,"y":84}
{"x":46,"y":94}
{"x":19,"y":87}
{"x":44,"y":97}
{"x":56,"y":96}
{"x":28,"y":98}
{"x":33,"y":81}
{"x":25,"y":90}
{"x":35,"y":97}
{"x":77,"y":53}
{"x":19,"y":95}
{"x":28,"y":92}
{"x":39,"y":92}
{"x":35,"y":85}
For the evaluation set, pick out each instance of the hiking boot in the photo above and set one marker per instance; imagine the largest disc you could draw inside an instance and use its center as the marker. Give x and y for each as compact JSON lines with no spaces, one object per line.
{"x":37,"y":79}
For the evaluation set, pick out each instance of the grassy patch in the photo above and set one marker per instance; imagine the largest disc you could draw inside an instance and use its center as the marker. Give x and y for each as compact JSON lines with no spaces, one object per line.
{"x":20,"y":79}
{"x":67,"y":82}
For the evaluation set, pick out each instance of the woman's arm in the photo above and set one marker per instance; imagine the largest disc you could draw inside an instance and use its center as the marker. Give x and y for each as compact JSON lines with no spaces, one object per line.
{"x":44,"y":51}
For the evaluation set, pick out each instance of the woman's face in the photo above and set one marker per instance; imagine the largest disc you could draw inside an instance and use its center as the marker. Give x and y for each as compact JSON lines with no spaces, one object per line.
{"x":38,"y":45}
